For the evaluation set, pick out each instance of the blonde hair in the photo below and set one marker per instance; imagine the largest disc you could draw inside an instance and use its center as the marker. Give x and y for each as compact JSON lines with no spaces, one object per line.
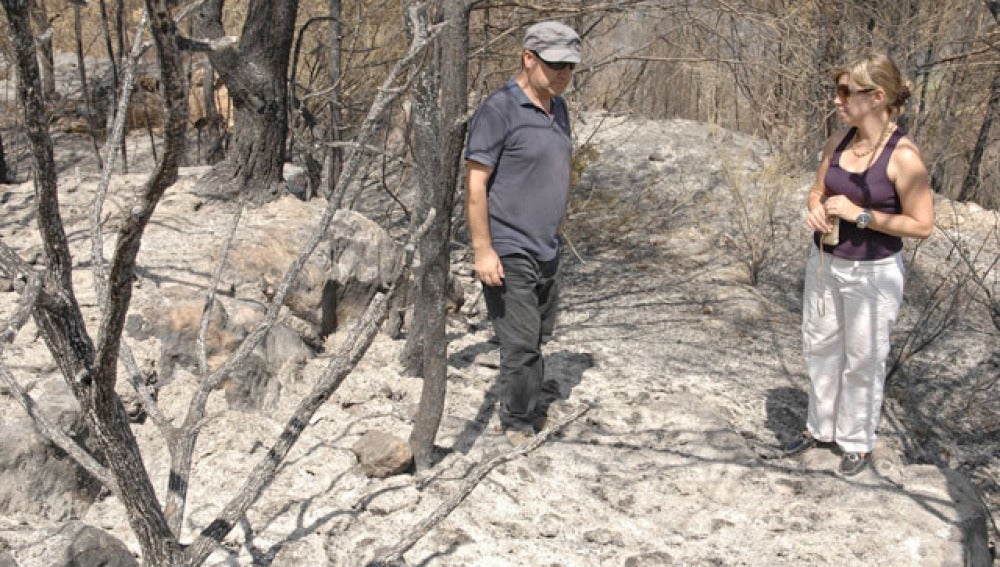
{"x":876,"y":70}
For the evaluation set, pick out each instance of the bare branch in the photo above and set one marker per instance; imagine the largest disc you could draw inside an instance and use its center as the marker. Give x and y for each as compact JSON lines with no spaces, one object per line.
{"x":374,"y":150}
{"x":120,"y":277}
{"x":394,"y":555}
{"x":114,"y":147}
{"x":30,"y":292}
{"x":13,"y":266}
{"x":340,"y":366}
{"x":214,"y":285}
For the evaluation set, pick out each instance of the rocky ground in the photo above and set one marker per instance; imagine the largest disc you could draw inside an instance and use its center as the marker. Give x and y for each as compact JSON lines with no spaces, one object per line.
{"x":689,"y":375}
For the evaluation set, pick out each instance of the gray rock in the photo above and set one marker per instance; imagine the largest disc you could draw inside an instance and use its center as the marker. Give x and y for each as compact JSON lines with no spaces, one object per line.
{"x":37,"y":477}
{"x":382,"y":455}
{"x":656,"y":559}
{"x":76,"y":544}
{"x":603,"y":536}
{"x":363,"y":257}
{"x":6,"y":559}
{"x":176,"y":324}
{"x":251,"y":387}
{"x":283,"y":345}
{"x":91,"y":547}
{"x":297,"y":180}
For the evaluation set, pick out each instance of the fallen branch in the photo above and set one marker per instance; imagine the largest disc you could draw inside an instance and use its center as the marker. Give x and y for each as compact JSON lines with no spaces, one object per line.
{"x":394,"y":557}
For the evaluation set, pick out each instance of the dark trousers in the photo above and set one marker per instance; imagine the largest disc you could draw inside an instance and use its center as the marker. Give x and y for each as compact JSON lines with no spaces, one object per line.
{"x":523,"y":313}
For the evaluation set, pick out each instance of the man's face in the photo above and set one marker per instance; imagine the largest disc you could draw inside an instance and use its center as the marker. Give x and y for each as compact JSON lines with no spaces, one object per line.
{"x":548,"y":77}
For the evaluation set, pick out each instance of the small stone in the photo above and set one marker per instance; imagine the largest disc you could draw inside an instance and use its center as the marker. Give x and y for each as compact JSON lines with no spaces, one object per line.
{"x":603,"y":536}
{"x":657,"y":559}
{"x":381,"y":455}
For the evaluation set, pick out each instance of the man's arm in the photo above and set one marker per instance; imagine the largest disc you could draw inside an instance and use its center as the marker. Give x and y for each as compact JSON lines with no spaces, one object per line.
{"x":488,"y":267}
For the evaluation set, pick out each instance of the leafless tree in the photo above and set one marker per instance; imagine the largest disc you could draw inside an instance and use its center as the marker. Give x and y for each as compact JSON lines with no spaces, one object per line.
{"x":439,"y":130}
{"x":90,"y":367}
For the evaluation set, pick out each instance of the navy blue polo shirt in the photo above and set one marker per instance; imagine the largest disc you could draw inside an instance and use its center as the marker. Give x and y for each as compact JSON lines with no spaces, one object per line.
{"x":530,"y":154}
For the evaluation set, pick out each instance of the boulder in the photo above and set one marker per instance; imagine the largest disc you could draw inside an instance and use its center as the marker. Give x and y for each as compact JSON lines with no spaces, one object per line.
{"x":76,"y":544}
{"x":176,"y":324}
{"x":363,"y":257}
{"x":36,"y":477}
{"x":338,"y":281}
{"x":6,"y":559}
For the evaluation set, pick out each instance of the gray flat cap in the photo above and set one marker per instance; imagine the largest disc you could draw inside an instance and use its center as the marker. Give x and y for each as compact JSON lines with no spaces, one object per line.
{"x":553,"y":42}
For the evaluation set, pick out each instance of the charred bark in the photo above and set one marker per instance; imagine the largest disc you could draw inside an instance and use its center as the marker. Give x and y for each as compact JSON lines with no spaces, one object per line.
{"x":89,"y":369}
{"x":254,"y":71}
{"x":439,"y":131}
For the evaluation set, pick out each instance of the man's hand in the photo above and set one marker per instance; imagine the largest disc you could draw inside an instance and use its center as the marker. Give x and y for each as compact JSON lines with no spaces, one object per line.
{"x":489,"y":270}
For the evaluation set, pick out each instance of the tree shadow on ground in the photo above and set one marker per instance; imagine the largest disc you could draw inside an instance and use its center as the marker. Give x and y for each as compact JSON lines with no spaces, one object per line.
{"x":786,"y":412}
{"x":786,"y":416}
{"x":563,"y":372}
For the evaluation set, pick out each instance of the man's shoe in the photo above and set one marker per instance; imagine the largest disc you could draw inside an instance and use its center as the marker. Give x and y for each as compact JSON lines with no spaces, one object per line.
{"x":549,"y":414}
{"x":539,"y":422}
{"x":518,"y":437}
{"x":853,"y":462}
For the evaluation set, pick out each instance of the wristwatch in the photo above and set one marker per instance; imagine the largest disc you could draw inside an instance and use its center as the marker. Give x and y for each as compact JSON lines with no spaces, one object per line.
{"x":864,"y":219}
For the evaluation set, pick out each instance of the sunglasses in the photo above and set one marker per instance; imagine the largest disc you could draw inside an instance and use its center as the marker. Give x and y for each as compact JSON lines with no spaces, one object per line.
{"x":554,"y":65}
{"x":844,"y":92}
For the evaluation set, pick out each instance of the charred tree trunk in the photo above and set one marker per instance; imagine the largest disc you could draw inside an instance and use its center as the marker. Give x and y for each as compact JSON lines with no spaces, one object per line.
{"x":255,"y":73}
{"x":439,"y":130}
{"x":89,"y":369}
{"x":115,"y":83}
{"x":84,"y":86}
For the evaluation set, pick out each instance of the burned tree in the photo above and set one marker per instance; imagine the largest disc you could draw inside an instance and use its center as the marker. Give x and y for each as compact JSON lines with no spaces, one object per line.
{"x":254,"y":71}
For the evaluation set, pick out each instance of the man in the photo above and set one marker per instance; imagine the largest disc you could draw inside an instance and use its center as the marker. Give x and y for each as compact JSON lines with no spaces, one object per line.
{"x":517,"y":189}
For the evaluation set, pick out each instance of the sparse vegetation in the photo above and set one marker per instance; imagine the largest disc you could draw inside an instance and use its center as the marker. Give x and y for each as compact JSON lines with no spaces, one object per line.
{"x":756,"y":189}
{"x":757,"y":68}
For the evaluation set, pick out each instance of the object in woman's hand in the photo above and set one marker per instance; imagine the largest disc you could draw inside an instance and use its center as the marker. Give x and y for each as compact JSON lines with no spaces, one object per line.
{"x":833,"y":237}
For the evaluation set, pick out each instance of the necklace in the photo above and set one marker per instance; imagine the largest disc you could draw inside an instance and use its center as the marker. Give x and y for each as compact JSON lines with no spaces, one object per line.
{"x":873,"y":147}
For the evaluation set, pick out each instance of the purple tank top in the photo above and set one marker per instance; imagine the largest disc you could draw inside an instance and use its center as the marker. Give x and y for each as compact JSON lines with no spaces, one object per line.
{"x":870,"y":189}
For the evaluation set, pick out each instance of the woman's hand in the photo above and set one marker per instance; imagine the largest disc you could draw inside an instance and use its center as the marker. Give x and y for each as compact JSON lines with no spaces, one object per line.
{"x":817,"y":220}
{"x":841,"y":206}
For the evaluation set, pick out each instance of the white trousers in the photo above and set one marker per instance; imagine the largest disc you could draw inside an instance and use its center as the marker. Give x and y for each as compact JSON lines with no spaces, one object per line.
{"x":848,"y":312}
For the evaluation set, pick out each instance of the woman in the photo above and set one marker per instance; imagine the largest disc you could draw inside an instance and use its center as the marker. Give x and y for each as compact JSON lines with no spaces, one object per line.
{"x":873,"y":189}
